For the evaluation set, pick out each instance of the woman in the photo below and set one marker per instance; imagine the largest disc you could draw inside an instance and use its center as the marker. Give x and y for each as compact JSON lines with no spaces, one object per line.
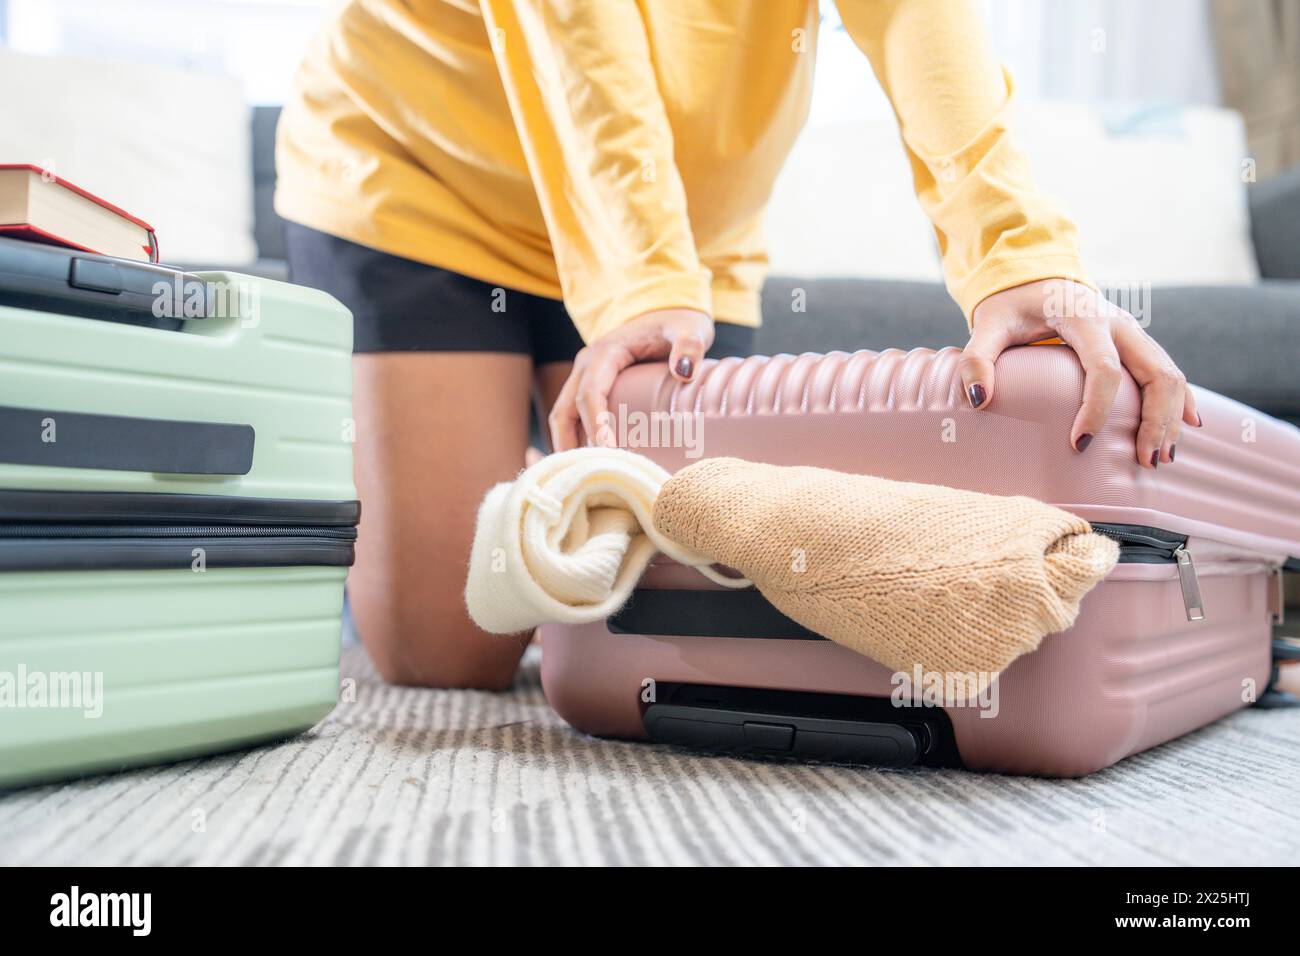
{"x":519,"y":196}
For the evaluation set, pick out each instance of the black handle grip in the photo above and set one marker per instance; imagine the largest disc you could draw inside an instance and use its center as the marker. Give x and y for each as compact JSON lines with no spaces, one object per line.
{"x":688,"y":613}
{"x":51,"y":278}
{"x":32,"y":436}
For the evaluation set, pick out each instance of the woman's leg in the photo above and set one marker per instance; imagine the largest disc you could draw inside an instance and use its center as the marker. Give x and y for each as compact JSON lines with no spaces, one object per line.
{"x":550,"y":379}
{"x":442,"y":382}
{"x":434,"y":432}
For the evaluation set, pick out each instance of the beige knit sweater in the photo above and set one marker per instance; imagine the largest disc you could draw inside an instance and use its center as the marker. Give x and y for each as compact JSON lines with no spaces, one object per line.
{"x":907,"y":574}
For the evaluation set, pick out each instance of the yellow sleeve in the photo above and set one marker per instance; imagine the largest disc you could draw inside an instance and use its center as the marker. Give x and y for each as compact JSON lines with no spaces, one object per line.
{"x":581,"y":86}
{"x":952,"y":99}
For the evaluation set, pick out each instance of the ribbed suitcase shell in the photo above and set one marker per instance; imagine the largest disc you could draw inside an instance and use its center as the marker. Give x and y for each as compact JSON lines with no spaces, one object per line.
{"x":191,"y":663}
{"x":1132,"y":673}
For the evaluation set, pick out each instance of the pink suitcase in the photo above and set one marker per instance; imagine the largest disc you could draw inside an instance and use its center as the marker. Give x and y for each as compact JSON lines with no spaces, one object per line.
{"x":689,"y":663}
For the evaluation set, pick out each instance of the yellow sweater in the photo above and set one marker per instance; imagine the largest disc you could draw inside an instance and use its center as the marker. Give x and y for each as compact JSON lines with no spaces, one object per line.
{"x":619,"y":153}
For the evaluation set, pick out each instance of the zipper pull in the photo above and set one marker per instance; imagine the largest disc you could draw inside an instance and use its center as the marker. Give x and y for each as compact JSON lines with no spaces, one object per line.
{"x":1190,"y":585}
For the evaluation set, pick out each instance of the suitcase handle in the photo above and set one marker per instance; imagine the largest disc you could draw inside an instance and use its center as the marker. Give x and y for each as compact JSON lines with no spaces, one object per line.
{"x":50,"y":278}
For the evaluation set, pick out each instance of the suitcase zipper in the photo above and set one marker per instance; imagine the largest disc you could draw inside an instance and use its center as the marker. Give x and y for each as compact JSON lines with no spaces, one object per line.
{"x":56,"y":546}
{"x":12,"y":531}
{"x":132,"y":531}
{"x":1140,"y":544}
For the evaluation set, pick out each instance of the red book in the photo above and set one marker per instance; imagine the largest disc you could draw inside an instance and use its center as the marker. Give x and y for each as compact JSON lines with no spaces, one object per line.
{"x":38,"y":206}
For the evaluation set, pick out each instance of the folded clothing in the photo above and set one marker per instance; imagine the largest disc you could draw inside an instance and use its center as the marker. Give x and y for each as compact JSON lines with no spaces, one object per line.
{"x":566,"y":541}
{"x":907,"y":574}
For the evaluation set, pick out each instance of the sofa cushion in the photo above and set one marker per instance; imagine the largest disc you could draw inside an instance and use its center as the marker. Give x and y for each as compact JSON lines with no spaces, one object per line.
{"x":1275,"y":224}
{"x":1157,"y":190}
{"x":268,"y":227}
{"x":170,"y":146}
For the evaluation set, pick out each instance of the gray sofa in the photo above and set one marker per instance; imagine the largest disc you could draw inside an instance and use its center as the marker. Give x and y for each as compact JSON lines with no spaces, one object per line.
{"x":1242,"y":341}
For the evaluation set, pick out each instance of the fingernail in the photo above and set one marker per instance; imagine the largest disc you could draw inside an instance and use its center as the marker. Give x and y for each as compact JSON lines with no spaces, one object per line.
{"x":1084,"y":441}
{"x":977,"y":395}
{"x":1200,"y":422}
{"x":1155,"y":458}
{"x":684,"y":367}
{"x":1172,"y":450}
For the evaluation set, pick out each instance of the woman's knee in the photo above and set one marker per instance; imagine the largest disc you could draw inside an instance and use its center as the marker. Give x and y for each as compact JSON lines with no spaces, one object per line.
{"x":441,"y":653}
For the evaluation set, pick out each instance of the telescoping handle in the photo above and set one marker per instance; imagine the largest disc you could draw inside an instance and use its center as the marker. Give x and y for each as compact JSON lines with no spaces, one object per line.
{"x":51,"y":278}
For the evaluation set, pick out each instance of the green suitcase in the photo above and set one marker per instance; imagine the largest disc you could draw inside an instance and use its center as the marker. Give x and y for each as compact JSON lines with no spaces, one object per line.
{"x":177,"y":513}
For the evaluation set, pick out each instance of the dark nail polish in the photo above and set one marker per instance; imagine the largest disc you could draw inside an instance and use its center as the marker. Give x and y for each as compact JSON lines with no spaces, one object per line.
{"x":977,"y":395}
{"x":684,"y":367}
{"x":1172,"y":450}
{"x":1155,"y":458}
{"x":1084,"y":441}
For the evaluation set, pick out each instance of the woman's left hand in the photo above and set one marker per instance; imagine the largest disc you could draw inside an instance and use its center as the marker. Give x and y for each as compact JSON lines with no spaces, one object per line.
{"x":1107,"y":340}
{"x":581,"y":411}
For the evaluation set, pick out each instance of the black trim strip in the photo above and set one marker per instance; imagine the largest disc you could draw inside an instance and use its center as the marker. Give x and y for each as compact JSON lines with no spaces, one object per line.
{"x":130,"y":507}
{"x":140,"y":554}
{"x":123,"y":443}
{"x":701,"y":613}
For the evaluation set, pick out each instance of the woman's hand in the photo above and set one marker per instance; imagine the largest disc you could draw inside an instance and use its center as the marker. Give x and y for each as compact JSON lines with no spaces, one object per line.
{"x":1106,"y":338}
{"x":683,"y":335}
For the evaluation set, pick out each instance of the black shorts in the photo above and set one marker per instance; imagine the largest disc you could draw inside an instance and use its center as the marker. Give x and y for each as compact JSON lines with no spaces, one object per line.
{"x":399,"y":305}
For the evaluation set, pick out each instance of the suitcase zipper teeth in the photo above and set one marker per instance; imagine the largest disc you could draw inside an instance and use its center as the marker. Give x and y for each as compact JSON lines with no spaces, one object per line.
{"x":1140,"y":544}
{"x":1154,"y":540}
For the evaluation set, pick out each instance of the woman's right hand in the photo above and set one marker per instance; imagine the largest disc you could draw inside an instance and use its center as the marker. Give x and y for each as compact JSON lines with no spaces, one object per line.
{"x":582,"y":408}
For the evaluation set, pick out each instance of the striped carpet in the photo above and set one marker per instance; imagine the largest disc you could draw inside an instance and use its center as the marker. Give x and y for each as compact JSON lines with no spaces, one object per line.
{"x":404,"y":776}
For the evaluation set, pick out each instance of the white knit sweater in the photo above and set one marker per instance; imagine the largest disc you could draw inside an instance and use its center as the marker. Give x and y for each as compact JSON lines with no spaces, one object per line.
{"x":567,"y":540}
